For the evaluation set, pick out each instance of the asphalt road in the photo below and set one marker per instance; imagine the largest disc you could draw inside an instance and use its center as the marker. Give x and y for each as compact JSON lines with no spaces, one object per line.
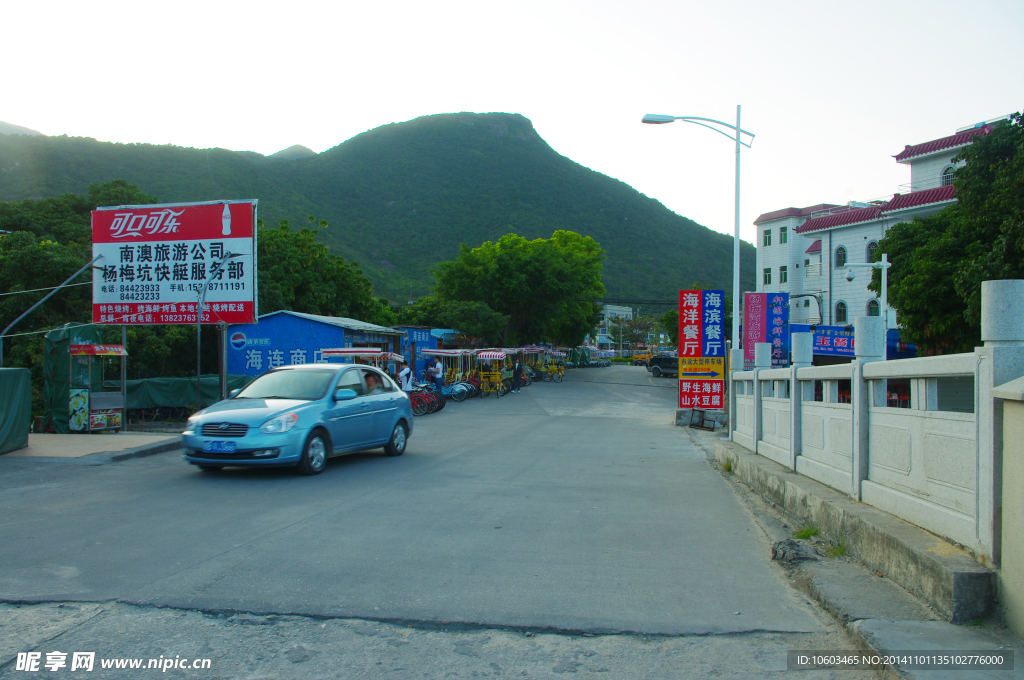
{"x":574,"y":508}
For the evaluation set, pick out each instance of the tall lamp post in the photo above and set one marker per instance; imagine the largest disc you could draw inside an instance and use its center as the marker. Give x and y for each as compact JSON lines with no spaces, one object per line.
{"x":884,"y":266}
{"x":710,"y":123}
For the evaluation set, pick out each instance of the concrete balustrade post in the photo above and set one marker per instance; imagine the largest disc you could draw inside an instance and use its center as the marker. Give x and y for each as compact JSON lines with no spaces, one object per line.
{"x":999,"y":361}
{"x":762,"y":361}
{"x":869,"y":346}
{"x":735,"y":364}
{"x":802,"y":348}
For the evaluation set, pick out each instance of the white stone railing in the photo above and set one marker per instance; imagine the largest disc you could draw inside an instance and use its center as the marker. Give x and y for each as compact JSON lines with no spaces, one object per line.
{"x":919,"y":438}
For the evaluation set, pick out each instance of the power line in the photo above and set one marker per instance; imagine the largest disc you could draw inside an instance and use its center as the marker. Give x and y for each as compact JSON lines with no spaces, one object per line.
{"x":36,"y":290}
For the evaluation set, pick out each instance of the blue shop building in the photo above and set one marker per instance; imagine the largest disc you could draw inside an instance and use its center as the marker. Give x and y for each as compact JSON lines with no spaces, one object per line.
{"x":284,"y":338}
{"x":423,"y":338}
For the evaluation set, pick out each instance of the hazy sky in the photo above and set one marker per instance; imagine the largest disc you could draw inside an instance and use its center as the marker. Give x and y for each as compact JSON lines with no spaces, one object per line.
{"x":832,"y":90}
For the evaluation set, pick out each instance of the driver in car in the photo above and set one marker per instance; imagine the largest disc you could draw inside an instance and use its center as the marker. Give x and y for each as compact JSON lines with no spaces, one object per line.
{"x":373,"y":385}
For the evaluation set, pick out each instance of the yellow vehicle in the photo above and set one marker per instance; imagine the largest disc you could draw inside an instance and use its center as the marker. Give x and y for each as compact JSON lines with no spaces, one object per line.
{"x":554,"y":369}
{"x":492,"y":372}
{"x":641,"y":358}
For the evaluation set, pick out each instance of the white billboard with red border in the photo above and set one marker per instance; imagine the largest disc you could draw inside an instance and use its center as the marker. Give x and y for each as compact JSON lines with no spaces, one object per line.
{"x":156,"y":258}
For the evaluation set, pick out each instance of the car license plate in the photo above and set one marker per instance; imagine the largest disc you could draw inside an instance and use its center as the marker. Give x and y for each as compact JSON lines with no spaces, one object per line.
{"x":218,"y":447}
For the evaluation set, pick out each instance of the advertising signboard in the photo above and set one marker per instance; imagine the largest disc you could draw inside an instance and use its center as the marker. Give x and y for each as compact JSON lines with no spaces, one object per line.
{"x":836,"y":341}
{"x":766,"y":319}
{"x":702,"y":349}
{"x":155,"y":259}
{"x":287,"y":338}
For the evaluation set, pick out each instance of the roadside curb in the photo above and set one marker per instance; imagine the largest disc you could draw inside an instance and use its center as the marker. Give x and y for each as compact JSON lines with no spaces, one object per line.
{"x":142,"y":451}
{"x":881,"y":615}
{"x":950,"y":581}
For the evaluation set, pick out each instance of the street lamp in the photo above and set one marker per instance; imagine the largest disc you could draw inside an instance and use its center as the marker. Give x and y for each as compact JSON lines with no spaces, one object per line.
{"x":884,"y":266}
{"x":710,"y":123}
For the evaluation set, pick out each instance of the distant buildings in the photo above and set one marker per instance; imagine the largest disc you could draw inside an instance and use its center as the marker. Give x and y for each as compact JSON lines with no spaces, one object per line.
{"x":804,"y":251}
{"x":610,"y":313}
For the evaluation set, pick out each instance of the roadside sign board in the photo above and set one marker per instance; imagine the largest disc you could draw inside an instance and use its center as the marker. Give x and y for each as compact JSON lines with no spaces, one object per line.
{"x":706,"y":394}
{"x":155,"y":259}
{"x":701,"y":368}
{"x":766,"y":319}
{"x":701,"y":348}
{"x":829,"y":340}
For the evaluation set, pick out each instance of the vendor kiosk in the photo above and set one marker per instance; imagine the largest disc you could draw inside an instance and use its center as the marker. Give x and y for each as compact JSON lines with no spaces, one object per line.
{"x":92,"y":410}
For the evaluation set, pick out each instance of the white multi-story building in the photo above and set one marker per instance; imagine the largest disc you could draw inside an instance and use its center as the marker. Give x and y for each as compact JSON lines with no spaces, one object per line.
{"x":805,"y":251}
{"x":614,"y":313}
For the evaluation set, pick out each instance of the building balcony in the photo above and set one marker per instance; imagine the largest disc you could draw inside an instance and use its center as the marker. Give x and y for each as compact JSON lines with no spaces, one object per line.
{"x":812,"y":270}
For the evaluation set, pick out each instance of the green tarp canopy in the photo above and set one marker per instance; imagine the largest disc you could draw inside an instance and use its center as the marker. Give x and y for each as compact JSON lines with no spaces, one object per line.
{"x":174,"y":392}
{"x":15,"y":408}
{"x":56,"y":371}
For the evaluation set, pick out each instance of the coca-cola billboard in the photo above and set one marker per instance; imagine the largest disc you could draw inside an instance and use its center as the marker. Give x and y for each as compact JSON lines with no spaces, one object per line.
{"x":157,"y":258}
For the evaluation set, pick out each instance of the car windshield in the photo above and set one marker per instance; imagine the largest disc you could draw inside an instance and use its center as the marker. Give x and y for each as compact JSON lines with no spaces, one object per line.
{"x":291,"y":384}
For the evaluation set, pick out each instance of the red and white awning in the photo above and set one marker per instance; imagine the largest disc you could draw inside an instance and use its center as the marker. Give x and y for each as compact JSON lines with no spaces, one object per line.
{"x":98,"y":351}
{"x":491,"y":354}
{"x":557,"y":354}
{"x":446,"y":352}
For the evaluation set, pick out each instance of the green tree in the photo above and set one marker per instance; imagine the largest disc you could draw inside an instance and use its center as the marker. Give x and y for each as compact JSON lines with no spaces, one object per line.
{"x":669,"y":322}
{"x":474,"y":319}
{"x":635,"y":331}
{"x":297,"y":273}
{"x":545,"y":287}
{"x":939,"y":262}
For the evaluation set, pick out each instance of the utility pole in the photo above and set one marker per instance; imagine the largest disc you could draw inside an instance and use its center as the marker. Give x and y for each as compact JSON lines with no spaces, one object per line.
{"x":199,"y":327}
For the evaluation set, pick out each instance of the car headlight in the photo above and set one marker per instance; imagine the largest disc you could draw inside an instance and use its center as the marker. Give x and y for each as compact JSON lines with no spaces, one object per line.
{"x":190,"y":425}
{"x":279,"y":424}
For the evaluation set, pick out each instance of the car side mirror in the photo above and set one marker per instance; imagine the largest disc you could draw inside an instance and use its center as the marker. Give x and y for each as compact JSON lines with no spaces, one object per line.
{"x":234,"y":393}
{"x":345,"y":395}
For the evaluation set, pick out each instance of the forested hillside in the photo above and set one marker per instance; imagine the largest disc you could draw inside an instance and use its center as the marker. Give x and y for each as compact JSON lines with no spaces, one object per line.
{"x":402,"y":197}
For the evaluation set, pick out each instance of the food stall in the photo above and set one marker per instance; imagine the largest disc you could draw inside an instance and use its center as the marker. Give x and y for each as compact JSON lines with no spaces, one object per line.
{"x":92,"y":410}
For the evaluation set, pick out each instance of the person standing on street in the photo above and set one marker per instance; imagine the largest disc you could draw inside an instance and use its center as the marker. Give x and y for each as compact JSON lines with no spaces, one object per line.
{"x":405,"y":377}
{"x":517,"y":374}
{"x":438,"y":375}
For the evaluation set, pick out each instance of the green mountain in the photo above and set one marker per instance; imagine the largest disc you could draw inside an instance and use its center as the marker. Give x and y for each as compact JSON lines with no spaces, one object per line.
{"x":402,"y":197}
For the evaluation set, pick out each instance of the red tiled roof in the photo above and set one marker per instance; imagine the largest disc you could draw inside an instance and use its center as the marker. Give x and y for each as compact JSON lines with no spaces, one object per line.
{"x":815,"y":247}
{"x":916,"y":198}
{"x":793,"y":212}
{"x":953,"y":141}
{"x":840,"y":219}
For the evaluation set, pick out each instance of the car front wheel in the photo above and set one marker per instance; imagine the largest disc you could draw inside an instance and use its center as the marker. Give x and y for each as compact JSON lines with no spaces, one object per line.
{"x":396,"y":447}
{"x":656,"y":371}
{"x":314,"y":455}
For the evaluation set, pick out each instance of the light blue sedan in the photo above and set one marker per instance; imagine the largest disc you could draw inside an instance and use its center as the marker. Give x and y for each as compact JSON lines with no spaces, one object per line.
{"x":301,"y":415}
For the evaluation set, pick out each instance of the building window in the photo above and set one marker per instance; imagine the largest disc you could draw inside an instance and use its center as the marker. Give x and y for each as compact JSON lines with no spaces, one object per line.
{"x":767,"y":237}
{"x":840,"y":257}
{"x":873,"y":308}
{"x":948,"y":175}
{"x":806,"y":262}
{"x":872,"y":249}
{"x":840,"y":312}
{"x":783,"y":274}
{"x":783,"y":235}
{"x":807,"y":303}
{"x":768,"y":277}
